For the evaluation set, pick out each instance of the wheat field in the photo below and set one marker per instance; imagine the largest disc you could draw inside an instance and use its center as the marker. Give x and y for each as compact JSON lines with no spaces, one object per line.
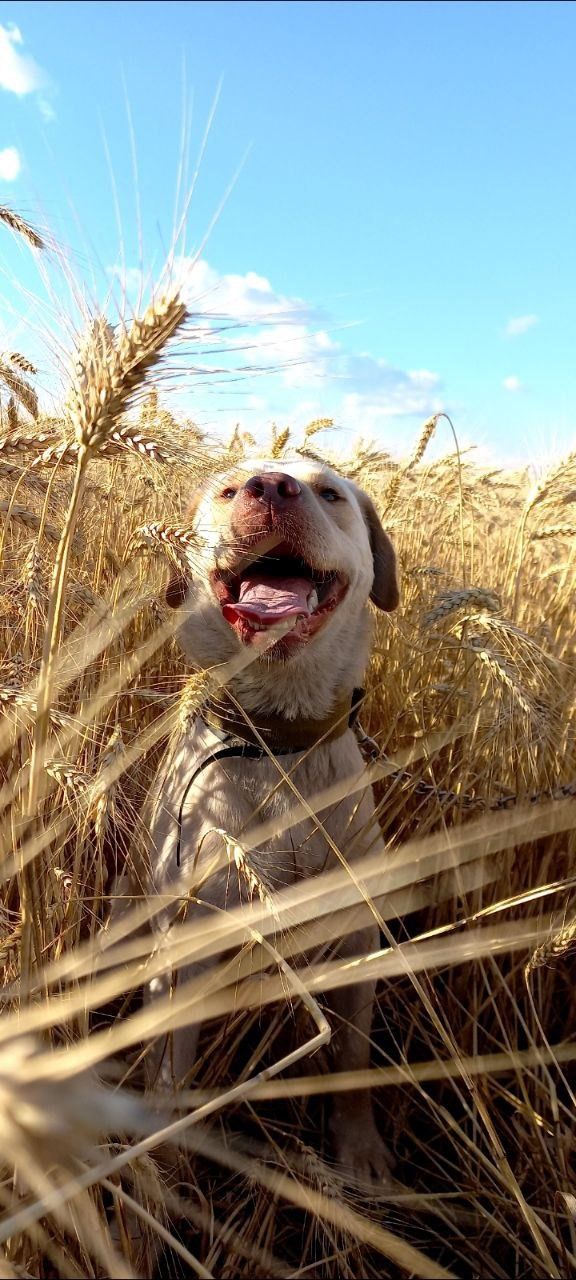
{"x":471,"y":702}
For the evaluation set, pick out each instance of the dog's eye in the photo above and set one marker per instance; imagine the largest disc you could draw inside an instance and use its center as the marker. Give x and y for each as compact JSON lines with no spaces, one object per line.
{"x":330,"y":495}
{"x":228,"y":494}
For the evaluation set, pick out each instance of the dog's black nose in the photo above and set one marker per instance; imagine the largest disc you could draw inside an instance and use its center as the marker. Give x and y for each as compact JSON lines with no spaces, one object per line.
{"x":274,"y":487}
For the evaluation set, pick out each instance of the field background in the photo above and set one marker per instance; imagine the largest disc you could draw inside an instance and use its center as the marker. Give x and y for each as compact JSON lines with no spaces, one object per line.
{"x":471,"y":691}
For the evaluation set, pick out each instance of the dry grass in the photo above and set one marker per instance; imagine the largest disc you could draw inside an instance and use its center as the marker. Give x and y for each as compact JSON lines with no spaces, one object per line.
{"x":471,"y":694}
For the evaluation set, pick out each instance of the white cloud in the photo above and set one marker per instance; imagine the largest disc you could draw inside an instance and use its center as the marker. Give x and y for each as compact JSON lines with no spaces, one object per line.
{"x":300,"y":355}
{"x":424,"y":378}
{"x":245,"y":322}
{"x":386,"y":391}
{"x":245,"y":332}
{"x":21,"y":74}
{"x":247,"y":298}
{"x":512,"y":383}
{"x":520,"y":324}
{"x":402,"y":398}
{"x":10,"y":164}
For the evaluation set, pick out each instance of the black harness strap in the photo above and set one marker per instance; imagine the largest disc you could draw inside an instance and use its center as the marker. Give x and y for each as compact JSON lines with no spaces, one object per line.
{"x":242,"y":750}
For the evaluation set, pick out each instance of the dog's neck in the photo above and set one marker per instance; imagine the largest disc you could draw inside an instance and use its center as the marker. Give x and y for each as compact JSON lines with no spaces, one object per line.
{"x":225,"y":715}
{"x":312,"y":684}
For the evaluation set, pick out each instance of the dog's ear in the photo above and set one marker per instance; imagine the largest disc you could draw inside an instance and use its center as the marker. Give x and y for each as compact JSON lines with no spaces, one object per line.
{"x":177,"y":589}
{"x":384,"y":594}
{"x":178,"y":583}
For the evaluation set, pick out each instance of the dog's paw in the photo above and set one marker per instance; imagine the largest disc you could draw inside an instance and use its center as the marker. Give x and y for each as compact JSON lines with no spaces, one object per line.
{"x":362,"y":1157}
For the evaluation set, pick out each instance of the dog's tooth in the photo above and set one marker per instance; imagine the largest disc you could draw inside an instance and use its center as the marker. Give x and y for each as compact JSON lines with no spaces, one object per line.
{"x":313,"y":600}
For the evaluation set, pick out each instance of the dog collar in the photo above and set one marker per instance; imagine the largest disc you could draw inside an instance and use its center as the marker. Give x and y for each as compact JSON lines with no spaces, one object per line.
{"x":281,"y":736}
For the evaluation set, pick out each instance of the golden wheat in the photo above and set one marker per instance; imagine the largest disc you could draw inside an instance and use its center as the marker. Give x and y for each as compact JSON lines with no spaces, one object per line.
{"x":22,"y":228}
{"x":470,"y":705}
{"x":554,"y":531}
{"x":451,"y":601}
{"x":20,"y":361}
{"x":109,"y":371}
{"x":30,"y":519}
{"x":19,"y":388}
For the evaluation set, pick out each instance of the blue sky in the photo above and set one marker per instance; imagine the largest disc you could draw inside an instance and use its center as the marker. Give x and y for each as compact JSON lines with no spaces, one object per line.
{"x":400,"y":237}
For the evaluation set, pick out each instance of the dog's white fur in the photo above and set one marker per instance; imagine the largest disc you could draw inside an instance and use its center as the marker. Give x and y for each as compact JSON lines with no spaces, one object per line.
{"x":345,"y":536}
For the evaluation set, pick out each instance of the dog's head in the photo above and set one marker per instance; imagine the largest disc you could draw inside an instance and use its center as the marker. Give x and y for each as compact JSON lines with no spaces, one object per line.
{"x":284,"y":545}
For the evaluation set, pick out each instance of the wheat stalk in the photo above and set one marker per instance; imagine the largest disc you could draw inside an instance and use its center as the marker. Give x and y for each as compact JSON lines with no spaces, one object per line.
{"x":553,"y":531}
{"x":31,"y":577}
{"x":501,"y":672}
{"x":108,"y":374}
{"x":240,"y":858}
{"x":279,"y":441}
{"x":24,"y":442}
{"x":425,"y":571}
{"x":316,"y":425}
{"x":11,"y":471}
{"x":305,"y":451}
{"x":31,"y":520}
{"x":79,"y":591}
{"x":19,"y":388}
{"x":12,"y":415}
{"x":560,"y":944}
{"x":240,"y":442}
{"x":448,"y":602}
{"x":126,"y":439}
{"x":191,"y":699}
{"x":11,"y":695}
{"x":422,"y":444}
{"x":22,"y":228}
{"x":175,"y":539}
{"x":425,"y":436}
{"x":106,"y":379}
{"x":104,"y":789}
{"x":68,"y":776}
{"x":20,"y":361}
{"x":539,"y":492}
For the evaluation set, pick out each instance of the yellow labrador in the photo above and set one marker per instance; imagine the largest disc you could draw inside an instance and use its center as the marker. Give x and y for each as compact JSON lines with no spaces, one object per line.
{"x":296,"y":547}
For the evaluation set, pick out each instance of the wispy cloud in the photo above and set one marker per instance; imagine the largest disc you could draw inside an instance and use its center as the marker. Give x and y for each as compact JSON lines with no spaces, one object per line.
{"x":512,"y":383}
{"x":20,"y":73}
{"x":246,"y":330}
{"x":247,"y":298}
{"x":398,"y":395}
{"x":377,"y":380}
{"x":10,"y":164}
{"x":286,"y":337}
{"x":520,"y":324}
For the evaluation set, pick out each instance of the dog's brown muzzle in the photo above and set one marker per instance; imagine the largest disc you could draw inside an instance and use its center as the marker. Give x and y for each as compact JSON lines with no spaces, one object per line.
{"x":275,"y":585}
{"x":274,"y":489}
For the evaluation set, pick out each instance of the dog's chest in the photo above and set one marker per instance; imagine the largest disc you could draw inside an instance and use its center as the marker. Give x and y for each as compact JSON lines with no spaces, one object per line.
{"x":290,"y":817}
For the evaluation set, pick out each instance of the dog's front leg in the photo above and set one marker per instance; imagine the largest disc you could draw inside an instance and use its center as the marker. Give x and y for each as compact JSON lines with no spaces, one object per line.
{"x":171,"y":1057}
{"x":358,"y":1146}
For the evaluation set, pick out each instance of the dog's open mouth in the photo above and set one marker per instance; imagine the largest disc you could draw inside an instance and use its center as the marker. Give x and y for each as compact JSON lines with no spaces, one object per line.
{"x":277,"y":587}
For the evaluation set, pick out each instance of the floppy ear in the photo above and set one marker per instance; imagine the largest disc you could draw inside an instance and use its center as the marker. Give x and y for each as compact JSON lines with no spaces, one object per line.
{"x":178,"y":583}
{"x":384,"y":594}
{"x":177,"y":589}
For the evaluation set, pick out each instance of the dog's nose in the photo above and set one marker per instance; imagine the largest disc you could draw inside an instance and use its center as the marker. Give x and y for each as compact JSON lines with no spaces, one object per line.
{"x":274,"y":488}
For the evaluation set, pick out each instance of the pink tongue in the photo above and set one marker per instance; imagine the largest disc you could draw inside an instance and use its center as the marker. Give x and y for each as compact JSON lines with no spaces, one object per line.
{"x":269,"y":600}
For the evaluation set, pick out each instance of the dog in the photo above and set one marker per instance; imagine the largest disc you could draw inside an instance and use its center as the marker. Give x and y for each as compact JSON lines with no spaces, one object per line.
{"x":287,"y":557}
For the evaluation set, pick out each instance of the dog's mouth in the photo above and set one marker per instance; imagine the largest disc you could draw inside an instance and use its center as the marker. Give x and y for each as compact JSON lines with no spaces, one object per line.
{"x":278,"y":586}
